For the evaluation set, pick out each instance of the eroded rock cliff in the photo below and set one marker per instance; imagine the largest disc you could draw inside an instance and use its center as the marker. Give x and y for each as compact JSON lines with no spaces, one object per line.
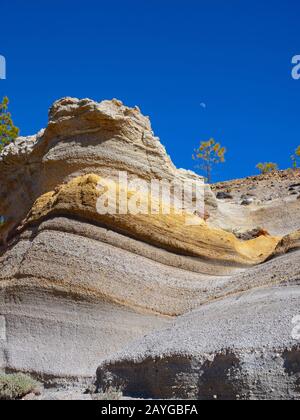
{"x":77,"y":286}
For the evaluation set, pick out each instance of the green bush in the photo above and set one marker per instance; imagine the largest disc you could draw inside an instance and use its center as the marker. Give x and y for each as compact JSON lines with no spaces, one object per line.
{"x":16,"y":386}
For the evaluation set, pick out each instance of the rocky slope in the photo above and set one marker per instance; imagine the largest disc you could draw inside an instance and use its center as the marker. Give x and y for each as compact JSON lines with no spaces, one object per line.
{"x":269,"y":201}
{"x":78,"y":287}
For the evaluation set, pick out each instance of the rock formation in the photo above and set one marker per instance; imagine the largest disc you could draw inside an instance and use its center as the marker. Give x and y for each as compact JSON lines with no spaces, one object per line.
{"x":224,"y":350}
{"x":79,"y":288}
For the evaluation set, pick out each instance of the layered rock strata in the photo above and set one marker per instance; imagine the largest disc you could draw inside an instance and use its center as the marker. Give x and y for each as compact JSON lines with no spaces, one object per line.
{"x":78,"y":286}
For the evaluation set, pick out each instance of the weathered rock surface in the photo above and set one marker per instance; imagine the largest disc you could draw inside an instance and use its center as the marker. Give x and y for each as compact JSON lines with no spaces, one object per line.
{"x":77,"y":286}
{"x":237,"y":348}
{"x":82,"y":137}
{"x":273,"y":203}
{"x":170,"y":231}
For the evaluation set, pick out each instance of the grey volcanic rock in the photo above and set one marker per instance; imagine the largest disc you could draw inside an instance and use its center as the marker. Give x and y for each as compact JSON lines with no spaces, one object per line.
{"x":239,"y":348}
{"x":222,"y":195}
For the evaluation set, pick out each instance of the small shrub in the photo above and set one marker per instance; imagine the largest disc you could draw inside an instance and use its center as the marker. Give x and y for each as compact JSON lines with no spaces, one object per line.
{"x":267,"y":167}
{"x":16,"y":386}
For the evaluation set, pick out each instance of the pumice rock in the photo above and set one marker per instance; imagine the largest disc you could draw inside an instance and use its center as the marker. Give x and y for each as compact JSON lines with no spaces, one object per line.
{"x":78,"y":287}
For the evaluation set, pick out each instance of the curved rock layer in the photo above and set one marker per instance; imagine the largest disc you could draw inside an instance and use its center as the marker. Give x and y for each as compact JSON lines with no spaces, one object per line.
{"x":77,"y":286}
{"x":82,"y":137}
{"x":79,"y":198}
{"x":226,"y":350}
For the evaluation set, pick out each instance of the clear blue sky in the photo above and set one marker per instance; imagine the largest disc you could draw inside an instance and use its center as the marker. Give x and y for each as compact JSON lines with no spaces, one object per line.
{"x":168,"y":57}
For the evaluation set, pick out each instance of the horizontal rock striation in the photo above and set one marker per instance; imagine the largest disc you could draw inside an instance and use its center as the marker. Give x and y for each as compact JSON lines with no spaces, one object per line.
{"x":82,"y":137}
{"x":170,"y":231}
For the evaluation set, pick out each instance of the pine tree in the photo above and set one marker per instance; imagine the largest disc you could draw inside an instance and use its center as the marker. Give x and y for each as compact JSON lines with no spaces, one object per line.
{"x":210,"y":153}
{"x":8,"y":131}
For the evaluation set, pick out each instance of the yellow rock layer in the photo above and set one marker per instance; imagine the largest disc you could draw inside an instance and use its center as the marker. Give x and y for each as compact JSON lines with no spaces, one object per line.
{"x":78,"y":198}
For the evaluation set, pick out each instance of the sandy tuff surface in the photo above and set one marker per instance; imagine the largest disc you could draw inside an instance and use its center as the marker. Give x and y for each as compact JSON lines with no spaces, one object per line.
{"x":241,"y":347}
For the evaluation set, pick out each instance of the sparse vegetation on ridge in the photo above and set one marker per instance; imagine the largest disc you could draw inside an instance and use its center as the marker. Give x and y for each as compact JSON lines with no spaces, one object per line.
{"x":267,"y":167}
